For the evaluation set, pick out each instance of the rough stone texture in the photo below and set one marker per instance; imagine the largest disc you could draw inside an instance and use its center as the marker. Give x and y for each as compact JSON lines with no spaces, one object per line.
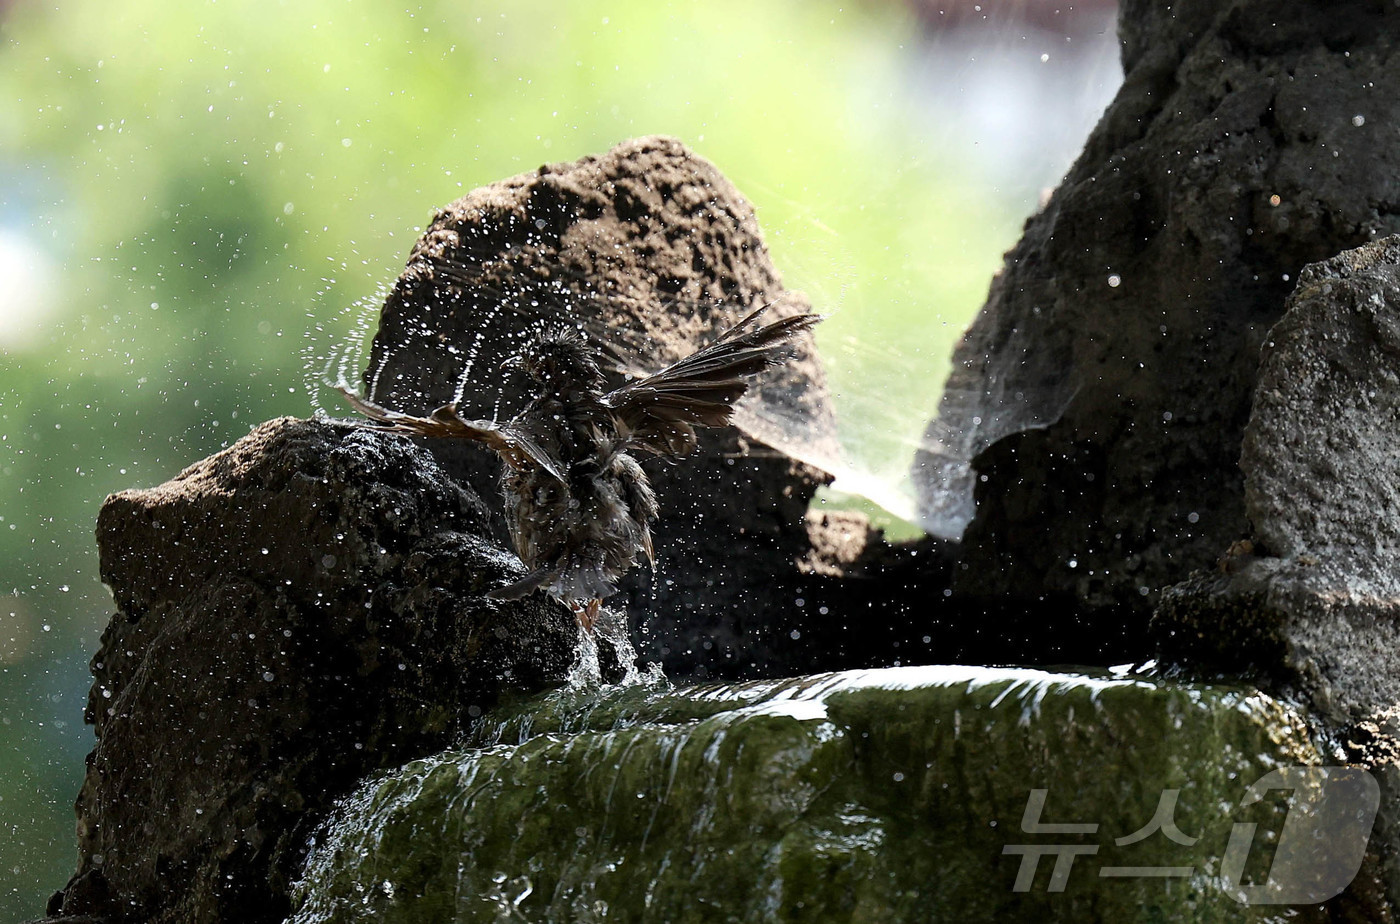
{"x":653,"y":252}
{"x":648,"y":246}
{"x":1375,"y":743}
{"x":292,"y":613}
{"x":884,"y":796}
{"x":1322,"y":472}
{"x":1317,"y":600}
{"x":1231,"y":158}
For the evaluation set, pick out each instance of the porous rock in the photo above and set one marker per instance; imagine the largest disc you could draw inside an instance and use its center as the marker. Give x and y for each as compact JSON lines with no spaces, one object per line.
{"x":292,"y":613}
{"x":1097,"y":405}
{"x":1316,"y":601}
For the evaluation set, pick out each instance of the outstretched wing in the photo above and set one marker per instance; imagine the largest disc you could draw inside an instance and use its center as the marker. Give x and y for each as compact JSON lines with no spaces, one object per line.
{"x":659,"y":413}
{"x":515,"y":448}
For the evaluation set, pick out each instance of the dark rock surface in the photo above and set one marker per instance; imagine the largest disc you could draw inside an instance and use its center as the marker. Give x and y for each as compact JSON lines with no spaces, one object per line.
{"x":653,"y":252}
{"x":1098,"y":403}
{"x":292,"y":613}
{"x":1317,"y":599}
{"x":1322,"y":473}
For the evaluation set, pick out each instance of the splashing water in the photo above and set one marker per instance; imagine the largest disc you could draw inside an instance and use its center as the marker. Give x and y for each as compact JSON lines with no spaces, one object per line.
{"x":877,"y":436}
{"x":331,"y":360}
{"x":586,"y":675}
{"x":587,"y":670}
{"x":883,"y":395}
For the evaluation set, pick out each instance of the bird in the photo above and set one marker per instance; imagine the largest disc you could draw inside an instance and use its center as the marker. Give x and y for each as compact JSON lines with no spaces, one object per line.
{"x":578,"y":505}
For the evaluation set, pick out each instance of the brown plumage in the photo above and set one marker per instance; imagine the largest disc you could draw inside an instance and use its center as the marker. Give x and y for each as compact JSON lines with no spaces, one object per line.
{"x":578,"y":505}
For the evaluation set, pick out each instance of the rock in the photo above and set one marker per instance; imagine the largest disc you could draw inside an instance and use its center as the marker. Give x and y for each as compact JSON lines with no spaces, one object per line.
{"x":887,"y":795}
{"x":1098,"y":402}
{"x":654,"y":253}
{"x":648,"y":246}
{"x":1322,"y":476}
{"x":292,"y":613}
{"x":1317,"y":602}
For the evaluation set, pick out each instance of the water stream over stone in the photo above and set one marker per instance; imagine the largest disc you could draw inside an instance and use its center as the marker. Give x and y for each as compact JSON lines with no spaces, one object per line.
{"x":880,"y":795}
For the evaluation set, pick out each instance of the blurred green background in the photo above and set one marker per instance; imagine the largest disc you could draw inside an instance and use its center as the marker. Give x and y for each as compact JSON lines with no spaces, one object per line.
{"x":192,"y":194}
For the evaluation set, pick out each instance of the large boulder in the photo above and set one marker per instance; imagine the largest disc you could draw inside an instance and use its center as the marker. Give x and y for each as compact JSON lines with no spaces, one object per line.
{"x":1089,"y":434}
{"x":292,"y":613}
{"x":1312,"y":597}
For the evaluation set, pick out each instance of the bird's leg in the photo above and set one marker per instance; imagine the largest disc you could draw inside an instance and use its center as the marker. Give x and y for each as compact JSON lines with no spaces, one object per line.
{"x":586,"y":614}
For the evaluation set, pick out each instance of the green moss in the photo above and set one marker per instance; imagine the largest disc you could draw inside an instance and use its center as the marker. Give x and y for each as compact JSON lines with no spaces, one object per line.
{"x":862,"y":797}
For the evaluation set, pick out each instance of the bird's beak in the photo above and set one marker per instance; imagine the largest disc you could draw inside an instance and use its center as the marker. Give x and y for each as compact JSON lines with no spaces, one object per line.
{"x":510,"y":362}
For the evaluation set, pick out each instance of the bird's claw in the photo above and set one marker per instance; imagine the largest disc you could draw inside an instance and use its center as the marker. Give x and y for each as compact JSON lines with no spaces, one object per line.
{"x":587,"y":614}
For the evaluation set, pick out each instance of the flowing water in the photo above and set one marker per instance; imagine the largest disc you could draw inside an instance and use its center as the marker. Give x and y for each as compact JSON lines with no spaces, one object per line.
{"x":879,"y":795}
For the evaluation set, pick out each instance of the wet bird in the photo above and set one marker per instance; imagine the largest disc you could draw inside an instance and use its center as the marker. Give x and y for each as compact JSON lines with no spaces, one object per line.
{"x":578,"y":505}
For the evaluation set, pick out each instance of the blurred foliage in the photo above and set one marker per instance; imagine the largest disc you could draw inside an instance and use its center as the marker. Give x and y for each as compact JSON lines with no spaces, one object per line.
{"x":198,"y":188}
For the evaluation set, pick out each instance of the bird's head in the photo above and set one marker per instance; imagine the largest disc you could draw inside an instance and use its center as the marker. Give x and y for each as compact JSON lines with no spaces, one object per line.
{"x":560,"y":359}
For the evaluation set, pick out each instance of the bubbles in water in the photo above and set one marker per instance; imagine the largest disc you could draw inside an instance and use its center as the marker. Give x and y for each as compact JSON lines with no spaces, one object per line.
{"x":506,"y":895}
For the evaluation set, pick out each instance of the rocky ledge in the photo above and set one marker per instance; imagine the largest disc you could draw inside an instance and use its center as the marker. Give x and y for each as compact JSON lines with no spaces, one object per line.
{"x":292,"y":613}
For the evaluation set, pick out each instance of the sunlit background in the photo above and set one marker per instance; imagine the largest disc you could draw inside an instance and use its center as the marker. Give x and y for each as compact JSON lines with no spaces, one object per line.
{"x":191,"y":195}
